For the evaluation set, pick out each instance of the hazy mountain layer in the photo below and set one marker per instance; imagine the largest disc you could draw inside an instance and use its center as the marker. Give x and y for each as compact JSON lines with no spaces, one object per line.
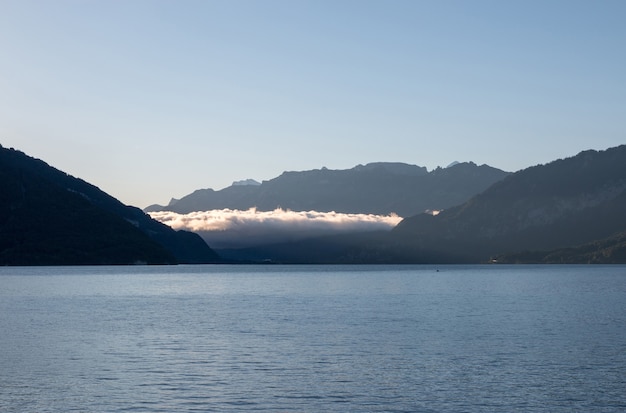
{"x":377,"y":188}
{"x":574,"y":210}
{"x":50,"y":218}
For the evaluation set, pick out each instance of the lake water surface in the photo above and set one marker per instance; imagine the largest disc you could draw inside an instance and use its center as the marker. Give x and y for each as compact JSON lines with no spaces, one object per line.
{"x":313,"y":339}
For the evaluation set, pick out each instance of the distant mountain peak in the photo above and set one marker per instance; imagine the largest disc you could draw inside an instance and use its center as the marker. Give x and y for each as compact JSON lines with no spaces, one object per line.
{"x":246,"y":182}
{"x":396,"y":168}
{"x":453,"y":164}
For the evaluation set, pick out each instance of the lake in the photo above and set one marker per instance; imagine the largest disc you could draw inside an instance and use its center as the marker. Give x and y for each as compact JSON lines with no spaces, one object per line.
{"x":313,"y":339}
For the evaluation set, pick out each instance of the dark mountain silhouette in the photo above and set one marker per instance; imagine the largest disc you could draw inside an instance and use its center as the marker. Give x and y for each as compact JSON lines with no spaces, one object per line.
{"x":48,"y":217}
{"x":563,"y":204}
{"x":568,"y":211}
{"x":377,"y":188}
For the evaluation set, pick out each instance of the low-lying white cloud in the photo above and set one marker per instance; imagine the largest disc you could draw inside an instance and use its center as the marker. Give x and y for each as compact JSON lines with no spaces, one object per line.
{"x":228,"y":228}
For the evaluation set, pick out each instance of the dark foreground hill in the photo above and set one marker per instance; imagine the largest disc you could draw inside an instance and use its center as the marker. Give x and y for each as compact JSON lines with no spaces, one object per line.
{"x":377,"y":188}
{"x":50,"y":218}
{"x":564,"y":204}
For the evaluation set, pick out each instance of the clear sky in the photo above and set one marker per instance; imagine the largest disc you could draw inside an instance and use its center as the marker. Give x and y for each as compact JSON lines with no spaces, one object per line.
{"x":153,"y":99}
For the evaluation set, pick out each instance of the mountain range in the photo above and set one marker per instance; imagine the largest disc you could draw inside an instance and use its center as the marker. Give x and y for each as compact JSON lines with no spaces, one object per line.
{"x":571,"y":210}
{"x":375,"y":188}
{"x":48,"y":217}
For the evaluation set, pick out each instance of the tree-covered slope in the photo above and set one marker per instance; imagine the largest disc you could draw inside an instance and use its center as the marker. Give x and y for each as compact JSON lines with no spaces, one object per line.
{"x":562,"y":204}
{"x":611,"y":250}
{"x":50,"y":218}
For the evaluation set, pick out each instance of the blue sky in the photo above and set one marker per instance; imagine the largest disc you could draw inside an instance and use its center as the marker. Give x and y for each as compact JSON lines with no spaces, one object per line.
{"x":153,"y":99}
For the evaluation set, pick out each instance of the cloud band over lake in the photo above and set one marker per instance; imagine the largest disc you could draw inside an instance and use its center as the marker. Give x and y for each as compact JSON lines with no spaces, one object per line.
{"x":227,"y":228}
